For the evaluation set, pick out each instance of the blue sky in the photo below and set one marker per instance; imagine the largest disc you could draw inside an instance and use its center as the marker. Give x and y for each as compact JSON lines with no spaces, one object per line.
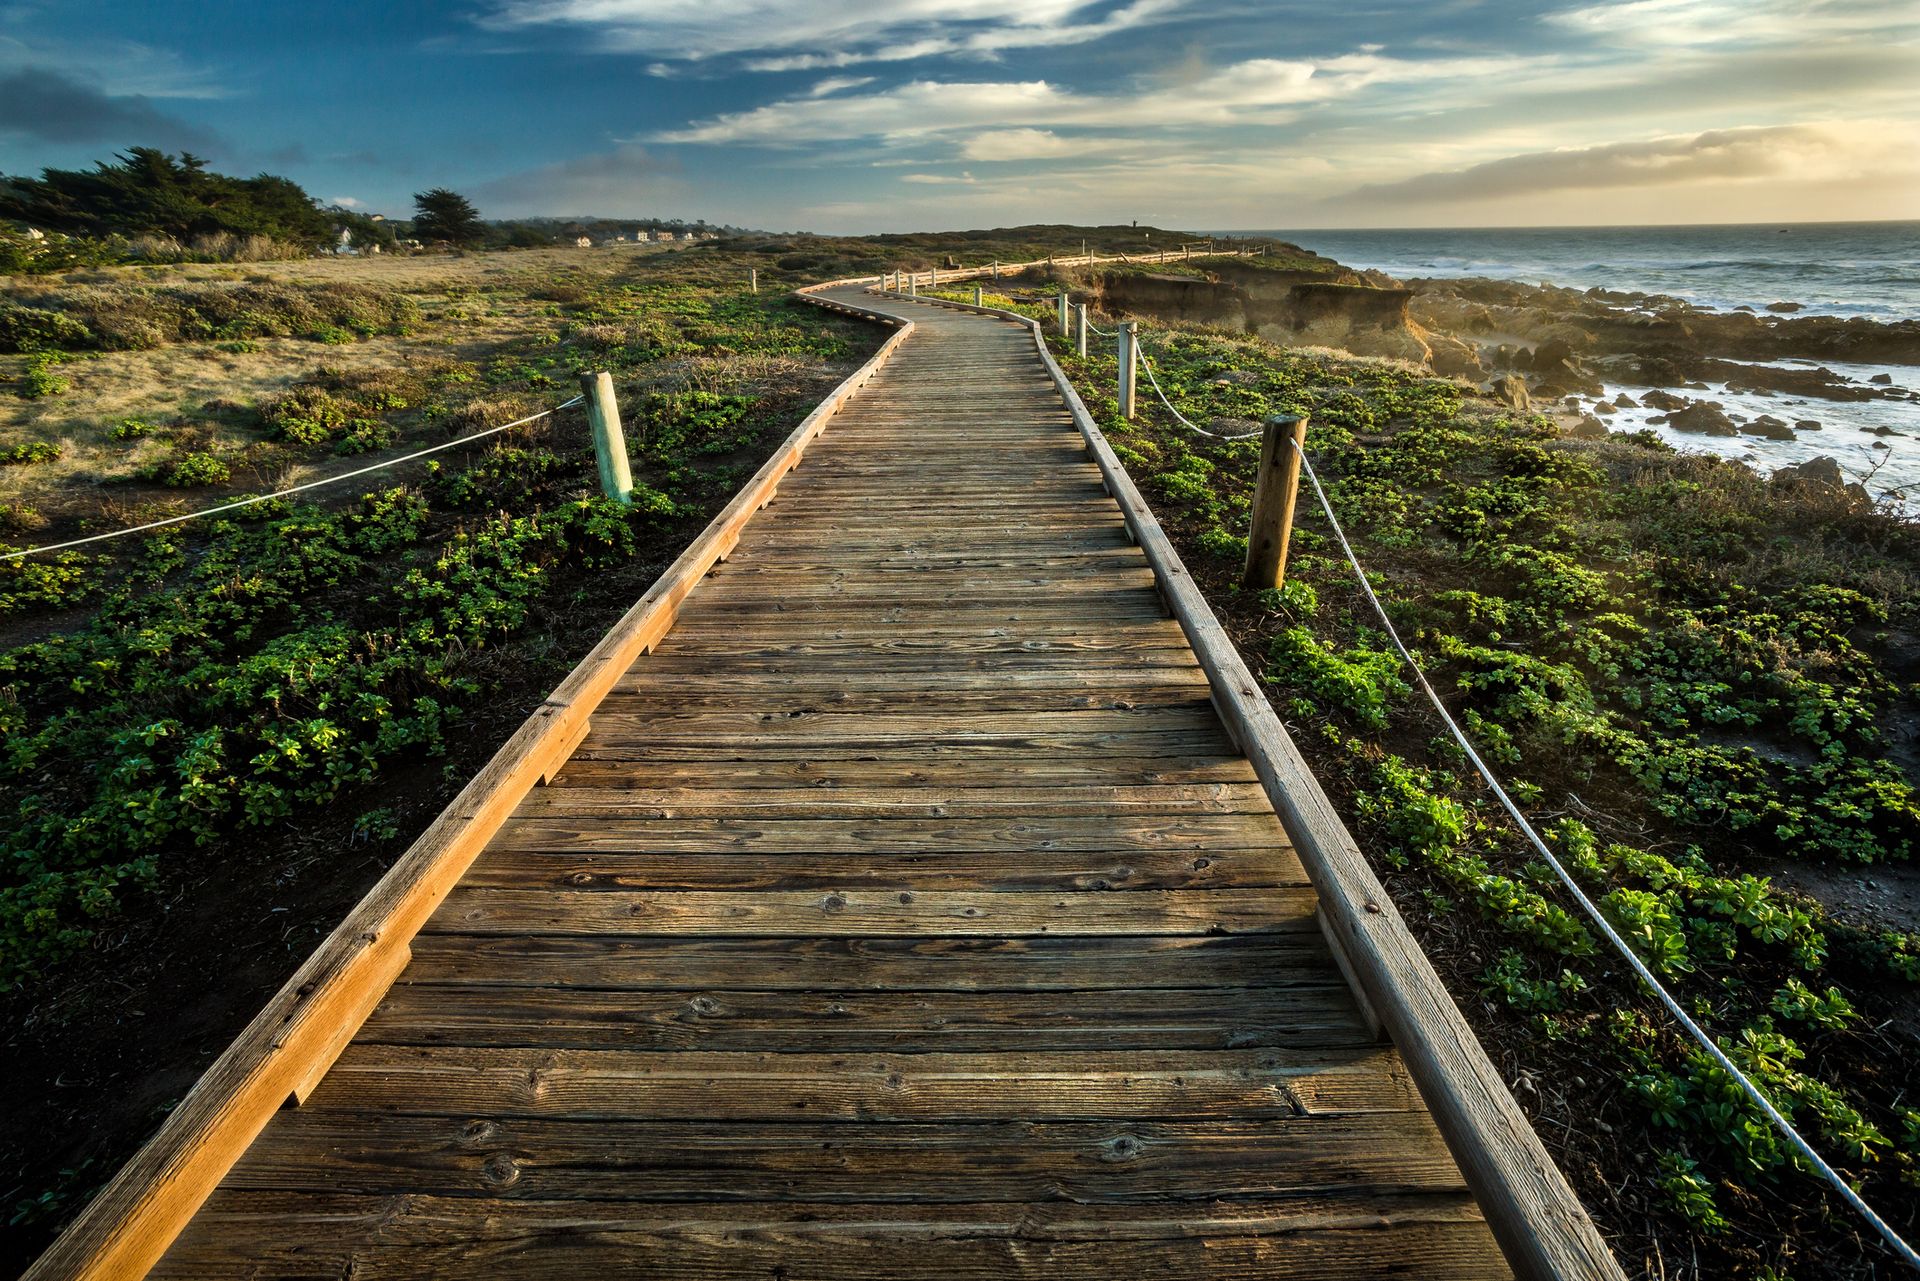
{"x":914,"y":114}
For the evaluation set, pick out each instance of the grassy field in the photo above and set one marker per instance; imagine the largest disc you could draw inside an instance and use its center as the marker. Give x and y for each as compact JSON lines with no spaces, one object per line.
{"x":1700,"y":685}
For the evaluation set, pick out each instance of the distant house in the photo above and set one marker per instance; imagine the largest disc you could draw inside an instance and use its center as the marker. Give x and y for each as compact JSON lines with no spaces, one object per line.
{"x":583,"y":242}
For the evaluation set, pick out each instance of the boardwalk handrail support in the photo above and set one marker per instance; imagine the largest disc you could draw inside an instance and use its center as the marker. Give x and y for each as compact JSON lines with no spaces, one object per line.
{"x":1275,"y":491}
{"x":609,"y":442}
{"x":1539,"y":1222}
{"x":1129,"y":365}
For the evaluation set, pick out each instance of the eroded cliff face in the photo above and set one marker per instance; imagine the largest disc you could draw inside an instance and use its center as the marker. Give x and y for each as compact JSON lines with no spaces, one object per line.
{"x":1294,"y":308}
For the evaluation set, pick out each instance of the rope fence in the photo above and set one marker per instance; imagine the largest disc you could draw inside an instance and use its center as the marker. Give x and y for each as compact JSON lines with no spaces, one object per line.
{"x":254,"y":499}
{"x":1182,"y":418}
{"x":1780,"y":1123}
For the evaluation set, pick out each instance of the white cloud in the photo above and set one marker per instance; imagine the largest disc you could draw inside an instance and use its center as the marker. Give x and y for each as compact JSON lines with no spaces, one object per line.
{"x":838,"y":84}
{"x":1012,"y":113}
{"x":938,"y":180}
{"x":1794,"y":153}
{"x":345,"y":202}
{"x":777,"y":35}
{"x":1016,"y":144}
{"x":1667,"y":24}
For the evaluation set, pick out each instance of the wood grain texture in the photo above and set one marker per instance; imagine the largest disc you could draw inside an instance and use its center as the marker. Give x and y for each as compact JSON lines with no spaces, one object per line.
{"x":906,"y":909}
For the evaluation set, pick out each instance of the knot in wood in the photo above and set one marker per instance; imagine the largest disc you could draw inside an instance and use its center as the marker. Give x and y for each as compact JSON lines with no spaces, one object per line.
{"x":500,"y":1170}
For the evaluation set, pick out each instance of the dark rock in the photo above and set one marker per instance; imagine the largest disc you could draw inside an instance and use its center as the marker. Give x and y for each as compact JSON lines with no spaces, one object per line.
{"x":1586,"y":427}
{"x":1568,"y":377}
{"x":1625,"y":401}
{"x":1551,"y":354}
{"x":1884,"y":380}
{"x":1452,"y":358}
{"x":1511,"y":390}
{"x":1605,"y":407}
{"x":1806,"y":424}
{"x":1768,"y":427}
{"x":1784,"y":308}
{"x":1665,"y":400}
{"x":1822,"y":472}
{"x":1703,"y":418}
{"x":1797,"y":380}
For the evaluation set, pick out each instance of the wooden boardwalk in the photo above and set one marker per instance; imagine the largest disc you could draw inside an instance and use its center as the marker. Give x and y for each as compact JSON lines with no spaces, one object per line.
{"x":908,"y":912}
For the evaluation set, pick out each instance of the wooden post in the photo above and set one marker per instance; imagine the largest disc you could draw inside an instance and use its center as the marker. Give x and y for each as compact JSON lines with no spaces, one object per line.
{"x":1086,"y":253}
{"x":1129,"y":366}
{"x":978,"y":295}
{"x":1064,"y":304}
{"x":1080,"y":329}
{"x":609,"y":442}
{"x":996,"y":269}
{"x":1273,"y":498}
{"x":753,"y":279}
{"x":913,"y":284}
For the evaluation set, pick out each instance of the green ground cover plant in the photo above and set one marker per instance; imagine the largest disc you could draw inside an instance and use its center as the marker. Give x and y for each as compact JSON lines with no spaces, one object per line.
{"x":1691,"y":677}
{"x":235,"y":673}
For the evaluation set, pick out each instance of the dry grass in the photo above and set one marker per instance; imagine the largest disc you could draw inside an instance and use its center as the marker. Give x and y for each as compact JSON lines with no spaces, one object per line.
{"x":202,"y":394}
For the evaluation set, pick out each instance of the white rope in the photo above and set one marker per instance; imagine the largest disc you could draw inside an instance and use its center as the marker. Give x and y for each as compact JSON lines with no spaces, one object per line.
{"x":1666,"y":998}
{"x":296,"y":489}
{"x":1211,"y":435}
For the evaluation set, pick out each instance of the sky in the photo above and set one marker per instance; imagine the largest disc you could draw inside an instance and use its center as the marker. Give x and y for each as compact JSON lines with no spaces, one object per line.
{"x":896,"y":115}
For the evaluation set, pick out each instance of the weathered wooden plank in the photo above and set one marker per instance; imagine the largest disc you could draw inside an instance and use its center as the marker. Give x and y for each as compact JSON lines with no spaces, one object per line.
{"x":1048,"y":870}
{"x":822,"y":683}
{"x":718,"y":801}
{"x":1040,"y":964}
{"x":1192,"y":833}
{"x":316,"y":1219}
{"x":1305,"y":1239}
{"x":863,"y":912}
{"x":777,"y":696}
{"x":950,"y":775}
{"x":1194,"y":714}
{"x":1308,"y":1007}
{"x":1281,"y":1084}
{"x":983,"y":747}
{"x":1124,"y":1160}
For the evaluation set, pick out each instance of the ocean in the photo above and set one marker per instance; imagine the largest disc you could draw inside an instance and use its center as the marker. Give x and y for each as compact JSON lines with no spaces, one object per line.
{"x":1834,"y":268}
{"x":1869,"y":269}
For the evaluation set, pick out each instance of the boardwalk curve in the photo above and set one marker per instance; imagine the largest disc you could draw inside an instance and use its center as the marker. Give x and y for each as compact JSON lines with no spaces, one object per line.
{"x":906,"y":909}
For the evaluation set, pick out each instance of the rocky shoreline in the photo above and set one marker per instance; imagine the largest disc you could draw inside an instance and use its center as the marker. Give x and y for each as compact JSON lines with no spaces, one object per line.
{"x":1595,"y":360}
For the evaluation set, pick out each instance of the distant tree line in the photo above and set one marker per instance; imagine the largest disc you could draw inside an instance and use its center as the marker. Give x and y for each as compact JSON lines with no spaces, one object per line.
{"x":147,"y":192}
{"x":147,"y":197}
